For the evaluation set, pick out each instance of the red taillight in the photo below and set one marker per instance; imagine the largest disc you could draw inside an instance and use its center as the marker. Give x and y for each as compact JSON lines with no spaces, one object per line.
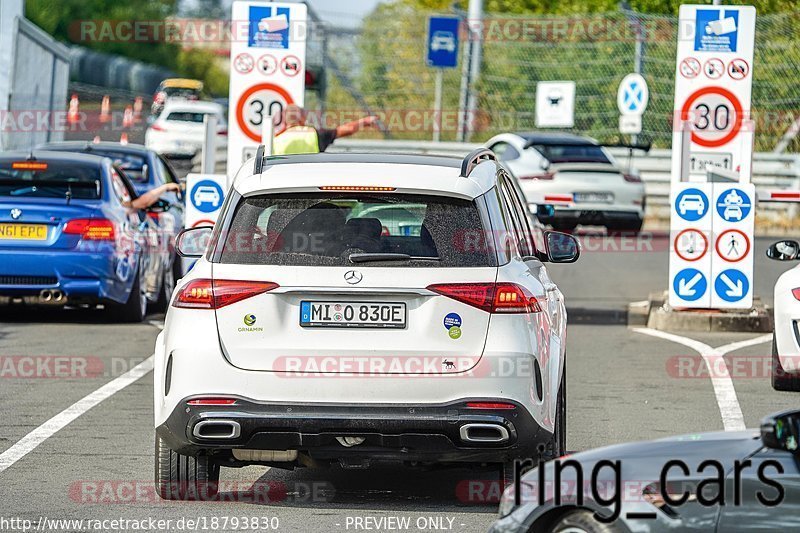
{"x":490,"y":405}
{"x":490,"y":297}
{"x":632,"y":178}
{"x":545,"y":176}
{"x":796,"y":293}
{"x":212,"y":401}
{"x":208,"y":294}
{"x":157,"y":127}
{"x":91,"y":229}
{"x":155,"y":216}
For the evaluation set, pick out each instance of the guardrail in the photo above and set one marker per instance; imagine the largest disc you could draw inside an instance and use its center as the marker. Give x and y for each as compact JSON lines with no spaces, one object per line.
{"x":770,"y":171}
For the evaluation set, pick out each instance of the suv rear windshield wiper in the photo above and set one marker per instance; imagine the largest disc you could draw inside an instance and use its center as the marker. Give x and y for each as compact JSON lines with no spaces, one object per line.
{"x":367,"y":258}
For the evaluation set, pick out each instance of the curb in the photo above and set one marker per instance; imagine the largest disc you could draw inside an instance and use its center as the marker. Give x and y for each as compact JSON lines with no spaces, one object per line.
{"x":656,"y":314}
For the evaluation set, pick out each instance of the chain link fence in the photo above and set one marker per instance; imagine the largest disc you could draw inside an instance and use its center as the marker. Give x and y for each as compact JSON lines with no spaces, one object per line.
{"x":383,"y":63}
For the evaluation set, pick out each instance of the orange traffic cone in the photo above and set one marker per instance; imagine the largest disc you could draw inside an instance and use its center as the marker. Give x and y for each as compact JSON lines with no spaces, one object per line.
{"x":73,"y":115}
{"x":137,"y":109}
{"x":127,"y":117}
{"x":123,"y":139}
{"x":96,"y":139}
{"x":105,"y":109}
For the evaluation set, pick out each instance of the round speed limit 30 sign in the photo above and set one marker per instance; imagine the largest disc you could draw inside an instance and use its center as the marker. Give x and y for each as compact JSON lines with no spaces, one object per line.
{"x":716,"y":116}
{"x":256,"y":105}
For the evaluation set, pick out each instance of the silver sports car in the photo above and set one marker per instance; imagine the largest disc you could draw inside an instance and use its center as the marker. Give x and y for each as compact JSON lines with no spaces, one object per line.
{"x":577,"y":176}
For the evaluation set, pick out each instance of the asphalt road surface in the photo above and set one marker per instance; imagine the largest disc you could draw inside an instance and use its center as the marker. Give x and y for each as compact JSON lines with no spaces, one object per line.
{"x":623,"y":384}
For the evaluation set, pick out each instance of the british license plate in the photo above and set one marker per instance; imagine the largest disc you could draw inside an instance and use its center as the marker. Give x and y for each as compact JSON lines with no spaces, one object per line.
{"x":352,"y":314}
{"x":26,"y":232}
{"x":594,"y":197}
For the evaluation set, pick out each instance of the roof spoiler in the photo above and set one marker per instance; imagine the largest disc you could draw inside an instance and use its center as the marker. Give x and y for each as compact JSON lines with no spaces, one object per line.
{"x":475,"y":158}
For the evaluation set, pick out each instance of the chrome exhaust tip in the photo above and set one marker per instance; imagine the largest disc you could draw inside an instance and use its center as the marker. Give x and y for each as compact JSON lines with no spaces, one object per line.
{"x":46,"y":295}
{"x":217,"y":429}
{"x":483,"y":433}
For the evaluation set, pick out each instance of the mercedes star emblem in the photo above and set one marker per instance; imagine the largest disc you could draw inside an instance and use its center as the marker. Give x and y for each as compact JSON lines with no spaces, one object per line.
{"x":353,"y":276}
{"x":16,"y":213}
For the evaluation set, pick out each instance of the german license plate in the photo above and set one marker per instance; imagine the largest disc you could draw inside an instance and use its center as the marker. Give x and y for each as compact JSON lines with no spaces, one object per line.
{"x":352,"y":314}
{"x":23,"y":232}
{"x":594,"y":197}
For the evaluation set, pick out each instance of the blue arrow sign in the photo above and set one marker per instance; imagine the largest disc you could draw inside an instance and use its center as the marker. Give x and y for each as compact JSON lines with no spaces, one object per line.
{"x":732,"y":285}
{"x":690,"y":284}
{"x":734,"y":205}
{"x":443,"y":42}
{"x":691,"y":204}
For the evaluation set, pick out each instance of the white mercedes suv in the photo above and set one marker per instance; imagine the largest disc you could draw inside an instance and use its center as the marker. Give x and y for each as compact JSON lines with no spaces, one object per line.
{"x":355,"y":309}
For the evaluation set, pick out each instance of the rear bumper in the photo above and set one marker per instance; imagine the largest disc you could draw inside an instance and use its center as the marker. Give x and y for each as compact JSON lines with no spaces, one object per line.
{"x":431,"y":433}
{"x":82,"y":277}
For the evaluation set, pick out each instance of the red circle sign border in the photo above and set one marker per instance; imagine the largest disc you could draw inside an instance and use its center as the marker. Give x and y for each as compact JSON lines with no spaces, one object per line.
{"x":250,"y":92}
{"x":719,"y":239}
{"x":236,"y":63}
{"x":737,"y":106}
{"x":686,"y":61}
{"x":677,"y":238}
{"x":203,"y":220}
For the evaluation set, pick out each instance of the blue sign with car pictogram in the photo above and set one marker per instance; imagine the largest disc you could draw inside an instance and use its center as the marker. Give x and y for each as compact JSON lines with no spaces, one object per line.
{"x":734,"y":205}
{"x":691,"y":204}
{"x":443,"y":42}
{"x":207,"y":196}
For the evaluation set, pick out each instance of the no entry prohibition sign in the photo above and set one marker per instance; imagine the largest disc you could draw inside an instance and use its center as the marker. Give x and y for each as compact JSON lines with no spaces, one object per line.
{"x":716,"y":114}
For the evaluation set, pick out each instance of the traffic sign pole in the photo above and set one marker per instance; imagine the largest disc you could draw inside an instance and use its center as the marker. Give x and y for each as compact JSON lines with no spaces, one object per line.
{"x":437,"y":106}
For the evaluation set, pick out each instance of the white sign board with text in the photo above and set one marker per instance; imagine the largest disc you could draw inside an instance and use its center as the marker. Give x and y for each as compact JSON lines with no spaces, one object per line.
{"x":713,"y":86}
{"x":268,"y":55}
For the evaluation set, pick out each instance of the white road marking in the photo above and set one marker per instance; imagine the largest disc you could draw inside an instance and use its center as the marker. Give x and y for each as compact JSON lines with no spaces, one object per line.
{"x":729,"y":408}
{"x":29,"y":442}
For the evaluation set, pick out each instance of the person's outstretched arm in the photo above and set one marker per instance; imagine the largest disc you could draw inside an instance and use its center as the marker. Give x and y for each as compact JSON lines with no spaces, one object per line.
{"x":345,"y":130}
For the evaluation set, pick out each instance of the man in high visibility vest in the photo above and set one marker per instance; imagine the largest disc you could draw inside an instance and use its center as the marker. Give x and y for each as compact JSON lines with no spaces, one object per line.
{"x":298,"y":138}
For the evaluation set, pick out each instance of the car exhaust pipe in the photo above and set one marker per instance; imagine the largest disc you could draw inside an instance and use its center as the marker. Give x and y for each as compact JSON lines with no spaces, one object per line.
{"x":46,"y":296}
{"x":483,"y":433}
{"x":57,"y":296}
{"x":217,"y":429}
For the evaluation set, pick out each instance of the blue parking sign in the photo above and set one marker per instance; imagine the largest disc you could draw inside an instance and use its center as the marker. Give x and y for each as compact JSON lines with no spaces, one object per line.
{"x":443,"y":42}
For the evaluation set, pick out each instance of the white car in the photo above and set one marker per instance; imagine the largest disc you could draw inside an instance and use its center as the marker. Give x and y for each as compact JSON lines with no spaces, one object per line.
{"x":443,"y":40}
{"x":692,"y":202}
{"x":575,"y":175}
{"x":207,"y":195}
{"x":179,"y":130}
{"x":307,"y":336}
{"x":786,"y":339}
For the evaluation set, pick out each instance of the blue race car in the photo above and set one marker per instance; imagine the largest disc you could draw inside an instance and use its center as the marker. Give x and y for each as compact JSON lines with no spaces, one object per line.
{"x":69,"y":235}
{"x":146,"y":170}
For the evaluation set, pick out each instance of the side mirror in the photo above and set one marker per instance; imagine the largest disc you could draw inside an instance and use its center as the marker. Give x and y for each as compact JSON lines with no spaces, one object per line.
{"x":561,"y":248}
{"x":781,"y":431}
{"x":194,"y":241}
{"x":784,"y":250}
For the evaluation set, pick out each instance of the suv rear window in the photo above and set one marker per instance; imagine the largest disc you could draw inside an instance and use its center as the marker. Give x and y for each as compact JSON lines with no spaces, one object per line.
{"x":50,"y":179}
{"x":325,"y":229}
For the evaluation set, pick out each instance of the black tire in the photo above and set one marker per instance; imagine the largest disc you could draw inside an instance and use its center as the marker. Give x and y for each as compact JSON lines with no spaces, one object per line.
{"x":182,"y":477}
{"x":167,"y":286}
{"x":781,"y":379}
{"x":135,"y":309}
{"x":582,"y":521}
